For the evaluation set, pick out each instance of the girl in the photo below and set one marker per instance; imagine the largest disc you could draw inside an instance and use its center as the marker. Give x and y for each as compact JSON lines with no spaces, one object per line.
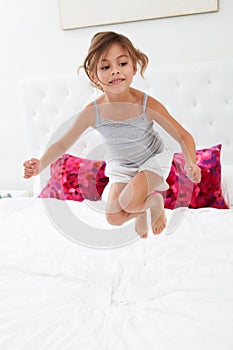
{"x":137,"y":162}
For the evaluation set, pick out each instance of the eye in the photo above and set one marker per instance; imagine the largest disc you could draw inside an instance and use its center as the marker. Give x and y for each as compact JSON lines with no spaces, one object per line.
{"x":104,"y":68}
{"x":122,"y":64}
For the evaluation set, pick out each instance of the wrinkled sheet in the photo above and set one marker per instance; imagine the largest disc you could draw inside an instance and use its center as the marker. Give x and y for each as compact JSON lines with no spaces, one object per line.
{"x":166,"y":292}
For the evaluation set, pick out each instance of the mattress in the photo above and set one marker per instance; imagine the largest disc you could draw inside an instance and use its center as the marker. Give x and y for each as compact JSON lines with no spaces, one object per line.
{"x":171,"y":291}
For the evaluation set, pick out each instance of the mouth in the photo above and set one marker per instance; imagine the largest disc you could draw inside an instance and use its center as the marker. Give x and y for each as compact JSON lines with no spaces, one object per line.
{"x":116,"y":81}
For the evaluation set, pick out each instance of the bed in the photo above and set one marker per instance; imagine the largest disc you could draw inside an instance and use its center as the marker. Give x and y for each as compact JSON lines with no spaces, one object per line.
{"x":69,"y":280}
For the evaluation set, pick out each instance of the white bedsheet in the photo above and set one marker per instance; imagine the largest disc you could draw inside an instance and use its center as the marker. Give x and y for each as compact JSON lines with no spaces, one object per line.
{"x":166,"y":292}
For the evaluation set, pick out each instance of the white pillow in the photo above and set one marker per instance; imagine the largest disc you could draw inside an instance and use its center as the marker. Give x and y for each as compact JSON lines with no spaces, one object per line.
{"x":227,"y":183}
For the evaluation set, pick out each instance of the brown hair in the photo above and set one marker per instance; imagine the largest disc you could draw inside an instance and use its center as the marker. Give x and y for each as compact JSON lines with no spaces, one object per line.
{"x":99,"y":44}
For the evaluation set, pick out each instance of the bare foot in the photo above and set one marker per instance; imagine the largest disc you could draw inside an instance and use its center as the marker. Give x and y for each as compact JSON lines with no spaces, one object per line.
{"x":160,"y":223}
{"x":158,"y":217}
{"x":141,"y":225}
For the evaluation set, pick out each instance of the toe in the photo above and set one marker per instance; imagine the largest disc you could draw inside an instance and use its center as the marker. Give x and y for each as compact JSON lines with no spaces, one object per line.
{"x":144,"y":235}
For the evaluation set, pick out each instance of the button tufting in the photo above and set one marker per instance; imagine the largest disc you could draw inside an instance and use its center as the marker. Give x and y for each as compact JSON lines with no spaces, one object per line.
{"x":204,"y":93}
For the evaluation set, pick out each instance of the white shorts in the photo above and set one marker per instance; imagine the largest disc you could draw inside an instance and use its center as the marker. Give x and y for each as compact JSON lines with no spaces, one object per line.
{"x":159,"y":164}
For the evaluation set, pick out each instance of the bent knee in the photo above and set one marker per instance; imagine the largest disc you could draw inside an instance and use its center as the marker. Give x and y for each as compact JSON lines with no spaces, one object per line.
{"x":115,"y":219}
{"x":129,"y":205}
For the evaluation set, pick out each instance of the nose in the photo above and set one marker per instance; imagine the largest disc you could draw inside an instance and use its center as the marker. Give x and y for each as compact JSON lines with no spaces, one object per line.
{"x":115,"y":70}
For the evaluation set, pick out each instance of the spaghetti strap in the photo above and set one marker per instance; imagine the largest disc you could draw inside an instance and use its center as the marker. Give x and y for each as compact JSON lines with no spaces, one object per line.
{"x":97,"y":117}
{"x":144,"y":105}
{"x":144,"y":102}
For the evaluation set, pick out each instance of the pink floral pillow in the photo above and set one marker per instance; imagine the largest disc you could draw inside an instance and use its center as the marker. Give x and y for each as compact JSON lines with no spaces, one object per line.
{"x":208,"y":193}
{"x":74,"y":178}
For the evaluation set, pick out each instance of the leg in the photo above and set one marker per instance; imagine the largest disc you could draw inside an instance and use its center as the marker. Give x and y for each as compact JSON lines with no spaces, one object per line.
{"x":117,"y":216}
{"x":114,"y":213}
{"x":158,"y":217}
{"x":137,"y":196}
{"x":141,"y":226}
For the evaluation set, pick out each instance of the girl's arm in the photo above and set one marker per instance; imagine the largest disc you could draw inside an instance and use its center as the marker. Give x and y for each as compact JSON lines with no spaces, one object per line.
{"x":83,"y":121}
{"x":157,"y":112}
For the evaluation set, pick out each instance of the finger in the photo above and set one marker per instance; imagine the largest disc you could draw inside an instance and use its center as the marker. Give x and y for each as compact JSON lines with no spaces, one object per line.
{"x":30,"y":168}
{"x":28,"y":175}
{"x":197,"y":179}
{"x":34,"y":160}
{"x":29,"y":172}
{"x":26,"y":164}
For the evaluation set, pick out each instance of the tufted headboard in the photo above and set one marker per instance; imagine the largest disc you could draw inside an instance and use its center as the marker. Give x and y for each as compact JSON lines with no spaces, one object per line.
{"x":198,"y":95}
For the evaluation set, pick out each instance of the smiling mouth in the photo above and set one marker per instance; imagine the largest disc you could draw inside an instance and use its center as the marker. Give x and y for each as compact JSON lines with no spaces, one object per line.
{"x":116,"y":81}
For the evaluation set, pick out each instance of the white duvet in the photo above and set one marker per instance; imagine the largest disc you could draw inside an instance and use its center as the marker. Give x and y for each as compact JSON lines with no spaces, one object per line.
{"x":166,"y":292}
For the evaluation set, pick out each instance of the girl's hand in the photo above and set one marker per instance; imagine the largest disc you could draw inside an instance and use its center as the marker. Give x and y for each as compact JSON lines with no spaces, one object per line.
{"x":31,"y":168}
{"x":193,"y":172}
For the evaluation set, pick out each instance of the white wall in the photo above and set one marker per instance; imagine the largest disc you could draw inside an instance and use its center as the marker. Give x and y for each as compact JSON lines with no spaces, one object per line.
{"x":33,"y":45}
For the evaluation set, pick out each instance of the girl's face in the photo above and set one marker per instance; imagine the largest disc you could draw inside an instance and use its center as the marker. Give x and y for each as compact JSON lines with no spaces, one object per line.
{"x":115,"y":69}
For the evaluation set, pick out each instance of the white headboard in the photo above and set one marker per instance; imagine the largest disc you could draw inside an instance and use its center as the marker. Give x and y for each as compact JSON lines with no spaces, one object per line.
{"x":198,"y":95}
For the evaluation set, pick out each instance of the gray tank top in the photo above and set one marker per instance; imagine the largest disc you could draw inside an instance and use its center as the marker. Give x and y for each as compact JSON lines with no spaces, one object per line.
{"x":130,"y":142}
